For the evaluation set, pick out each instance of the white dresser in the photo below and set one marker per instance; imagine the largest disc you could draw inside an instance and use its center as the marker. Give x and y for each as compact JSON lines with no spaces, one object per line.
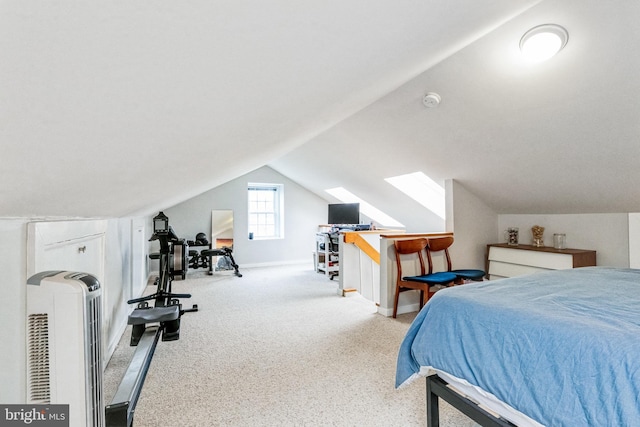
{"x":508,"y":261}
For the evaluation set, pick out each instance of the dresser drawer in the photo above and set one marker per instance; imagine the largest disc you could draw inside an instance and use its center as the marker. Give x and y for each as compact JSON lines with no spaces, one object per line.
{"x":509,"y":261}
{"x":545,"y":260}
{"x":504,"y":269}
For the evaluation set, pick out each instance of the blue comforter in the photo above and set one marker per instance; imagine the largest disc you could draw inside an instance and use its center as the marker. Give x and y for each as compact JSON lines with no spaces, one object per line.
{"x":562,"y":347}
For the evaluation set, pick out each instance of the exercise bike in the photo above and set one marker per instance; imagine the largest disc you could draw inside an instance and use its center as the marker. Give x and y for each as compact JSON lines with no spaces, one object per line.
{"x":149,"y":324}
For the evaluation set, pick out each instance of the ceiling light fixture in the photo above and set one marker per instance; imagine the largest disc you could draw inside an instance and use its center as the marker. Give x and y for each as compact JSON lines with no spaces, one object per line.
{"x":542,"y":42}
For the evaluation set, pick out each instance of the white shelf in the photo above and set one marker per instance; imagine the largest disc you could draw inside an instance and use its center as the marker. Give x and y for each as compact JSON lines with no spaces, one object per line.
{"x":327,"y":256}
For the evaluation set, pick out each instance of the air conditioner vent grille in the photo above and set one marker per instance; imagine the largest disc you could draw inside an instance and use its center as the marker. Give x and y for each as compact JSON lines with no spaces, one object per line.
{"x":94,"y":360}
{"x":38,"y":358}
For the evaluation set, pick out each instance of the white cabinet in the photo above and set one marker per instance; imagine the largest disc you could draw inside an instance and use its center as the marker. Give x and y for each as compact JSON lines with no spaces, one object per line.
{"x":327,"y":254}
{"x":508,"y":261}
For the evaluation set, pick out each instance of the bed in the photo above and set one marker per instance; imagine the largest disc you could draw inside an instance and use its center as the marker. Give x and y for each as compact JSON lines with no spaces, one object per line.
{"x":557,"y":348}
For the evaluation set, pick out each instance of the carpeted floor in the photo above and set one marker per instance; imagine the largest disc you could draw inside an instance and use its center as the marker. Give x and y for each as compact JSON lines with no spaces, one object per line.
{"x":277,"y":347}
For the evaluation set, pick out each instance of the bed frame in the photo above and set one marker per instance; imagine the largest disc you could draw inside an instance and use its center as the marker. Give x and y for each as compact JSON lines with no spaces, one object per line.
{"x":438,"y":388}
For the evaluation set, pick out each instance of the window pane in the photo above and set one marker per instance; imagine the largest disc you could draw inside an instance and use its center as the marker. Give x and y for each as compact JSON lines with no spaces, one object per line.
{"x":264,"y":202}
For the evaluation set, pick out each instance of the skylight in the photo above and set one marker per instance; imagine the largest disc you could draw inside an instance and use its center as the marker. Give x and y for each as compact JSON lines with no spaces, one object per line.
{"x":422,"y":189}
{"x":367,"y":209}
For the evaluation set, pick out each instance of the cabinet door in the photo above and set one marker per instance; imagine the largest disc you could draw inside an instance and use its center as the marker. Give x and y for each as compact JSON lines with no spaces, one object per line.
{"x":67,"y":245}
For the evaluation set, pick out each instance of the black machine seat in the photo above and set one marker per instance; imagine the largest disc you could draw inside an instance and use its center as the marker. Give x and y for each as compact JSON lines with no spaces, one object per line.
{"x":141,"y":316}
{"x":223,"y":252}
{"x":216,"y":252}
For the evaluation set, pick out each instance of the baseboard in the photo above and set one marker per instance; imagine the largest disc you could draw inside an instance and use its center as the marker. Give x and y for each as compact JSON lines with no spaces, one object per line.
{"x":402,"y":309}
{"x":121,"y":327}
{"x":278,"y":264}
{"x":111,"y":347}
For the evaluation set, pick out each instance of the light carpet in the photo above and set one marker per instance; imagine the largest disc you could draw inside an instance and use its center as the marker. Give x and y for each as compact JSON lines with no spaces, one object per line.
{"x":277,"y":347}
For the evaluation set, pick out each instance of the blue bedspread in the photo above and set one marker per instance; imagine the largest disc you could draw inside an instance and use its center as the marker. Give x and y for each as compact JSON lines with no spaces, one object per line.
{"x":562,"y":347}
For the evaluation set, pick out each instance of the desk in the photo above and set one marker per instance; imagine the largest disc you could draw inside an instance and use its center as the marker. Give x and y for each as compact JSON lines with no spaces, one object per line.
{"x":505,"y":260}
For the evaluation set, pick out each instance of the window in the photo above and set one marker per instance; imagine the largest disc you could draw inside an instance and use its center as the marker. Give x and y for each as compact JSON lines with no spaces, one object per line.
{"x":266,"y":216}
{"x":422,"y":189}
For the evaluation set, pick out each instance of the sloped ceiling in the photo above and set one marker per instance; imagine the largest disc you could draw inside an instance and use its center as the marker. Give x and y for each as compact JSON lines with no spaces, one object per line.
{"x":123,"y":108}
{"x":556,"y":137}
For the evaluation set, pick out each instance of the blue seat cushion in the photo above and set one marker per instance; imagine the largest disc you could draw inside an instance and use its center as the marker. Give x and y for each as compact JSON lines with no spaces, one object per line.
{"x":439,"y":278}
{"x":470,"y":274}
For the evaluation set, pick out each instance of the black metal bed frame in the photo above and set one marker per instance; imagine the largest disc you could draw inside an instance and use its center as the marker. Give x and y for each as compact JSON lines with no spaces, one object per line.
{"x":438,"y":388}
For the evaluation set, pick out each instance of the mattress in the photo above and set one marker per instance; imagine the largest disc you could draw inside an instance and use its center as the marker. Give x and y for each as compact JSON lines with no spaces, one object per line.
{"x":559,"y":347}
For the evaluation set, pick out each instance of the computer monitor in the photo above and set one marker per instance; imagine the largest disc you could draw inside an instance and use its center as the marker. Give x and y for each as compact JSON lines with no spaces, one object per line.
{"x":344,"y":213}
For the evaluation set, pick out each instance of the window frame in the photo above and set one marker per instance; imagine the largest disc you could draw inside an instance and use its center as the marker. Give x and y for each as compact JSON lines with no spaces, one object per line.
{"x":265,"y":230}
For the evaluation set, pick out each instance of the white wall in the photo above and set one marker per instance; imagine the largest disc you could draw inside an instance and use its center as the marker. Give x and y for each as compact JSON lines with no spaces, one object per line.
{"x":13,"y":252}
{"x":473,"y":225}
{"x":634,"y":240}
{"x":607,"y":234}
{"x":13,"y":313}
{"x":303,"y":212}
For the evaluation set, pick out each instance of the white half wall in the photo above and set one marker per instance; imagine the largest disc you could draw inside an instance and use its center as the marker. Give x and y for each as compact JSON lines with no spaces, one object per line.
{"x":13,"y":252}
{"x":634,"y":240}
{"x":117,"y":286}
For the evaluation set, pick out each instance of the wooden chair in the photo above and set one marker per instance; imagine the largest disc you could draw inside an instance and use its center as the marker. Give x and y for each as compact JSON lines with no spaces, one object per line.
{"x":414,"y":249}
{"x":442,"y":244}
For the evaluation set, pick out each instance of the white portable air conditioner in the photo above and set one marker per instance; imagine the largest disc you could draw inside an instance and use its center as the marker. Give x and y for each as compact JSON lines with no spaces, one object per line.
{"x":64,"y":344}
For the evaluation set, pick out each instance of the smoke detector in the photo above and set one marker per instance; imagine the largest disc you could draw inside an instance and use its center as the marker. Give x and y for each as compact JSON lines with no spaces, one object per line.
{"x":431,"y":100}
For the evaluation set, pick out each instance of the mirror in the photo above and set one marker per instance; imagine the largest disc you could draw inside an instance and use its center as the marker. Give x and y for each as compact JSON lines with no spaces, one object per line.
{"x":222,"y":228}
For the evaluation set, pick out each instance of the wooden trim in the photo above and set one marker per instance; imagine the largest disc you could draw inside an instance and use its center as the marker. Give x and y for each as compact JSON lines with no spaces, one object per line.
{"x":584,"y":259}
{"x":414,"y":235}
{"x":363,"y":245}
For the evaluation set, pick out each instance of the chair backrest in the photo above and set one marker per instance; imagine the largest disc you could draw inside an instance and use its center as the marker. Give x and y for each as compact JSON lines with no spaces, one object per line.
{"x":439,"y":244}
{"x":408,"y":247}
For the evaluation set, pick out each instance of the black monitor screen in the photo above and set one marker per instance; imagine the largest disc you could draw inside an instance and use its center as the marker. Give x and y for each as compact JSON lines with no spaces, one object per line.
{"x":344,"y":213}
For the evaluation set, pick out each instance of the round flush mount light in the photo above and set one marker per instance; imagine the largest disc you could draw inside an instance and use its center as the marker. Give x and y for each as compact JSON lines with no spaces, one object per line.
{"x":431,"y":100}
{"x":542,"y":42}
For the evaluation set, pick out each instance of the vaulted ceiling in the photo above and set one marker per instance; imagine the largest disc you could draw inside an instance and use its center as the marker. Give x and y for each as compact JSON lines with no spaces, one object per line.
{"x":123,"y":108}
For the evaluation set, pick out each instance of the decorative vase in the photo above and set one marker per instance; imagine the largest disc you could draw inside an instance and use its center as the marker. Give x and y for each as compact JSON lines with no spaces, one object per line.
{"x":511,"y":235}
{"x":538,"y":236}
{"x":560,"y":241}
